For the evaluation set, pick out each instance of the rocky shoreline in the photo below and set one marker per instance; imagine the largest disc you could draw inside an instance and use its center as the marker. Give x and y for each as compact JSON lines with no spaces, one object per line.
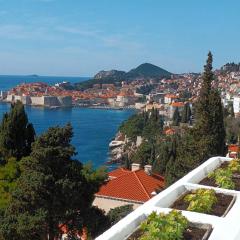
{"x":125,"y":150}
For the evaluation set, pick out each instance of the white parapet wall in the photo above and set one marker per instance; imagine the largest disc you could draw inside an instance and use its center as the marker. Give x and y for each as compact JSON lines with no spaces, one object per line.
{"x":224,"y":228}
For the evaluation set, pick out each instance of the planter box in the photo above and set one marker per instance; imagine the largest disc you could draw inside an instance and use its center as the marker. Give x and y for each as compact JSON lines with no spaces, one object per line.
{"x":195,"y":231}
{"x":220,"y":209}
{"x":211,"y":181}
{"x":223,"y":228}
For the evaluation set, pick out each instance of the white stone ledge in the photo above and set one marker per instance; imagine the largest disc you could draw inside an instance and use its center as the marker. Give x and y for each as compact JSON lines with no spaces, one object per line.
{"x":224,"y":228}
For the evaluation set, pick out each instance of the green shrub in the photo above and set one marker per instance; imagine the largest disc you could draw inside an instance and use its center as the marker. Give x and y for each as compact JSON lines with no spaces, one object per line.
{"x":223,"y":178}
{"x":162,"y":226}
{"x":116,"y":214}
{"x":201,"y":200}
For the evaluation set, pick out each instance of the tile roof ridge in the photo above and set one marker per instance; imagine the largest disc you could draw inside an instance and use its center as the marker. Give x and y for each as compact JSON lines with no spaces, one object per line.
{"x":122,"y":175}
{"x":120,"y":170}
{"x":144,"y":189}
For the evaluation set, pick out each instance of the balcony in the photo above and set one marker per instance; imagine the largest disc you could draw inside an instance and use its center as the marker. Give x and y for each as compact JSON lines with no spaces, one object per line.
{"x":224,"y":227}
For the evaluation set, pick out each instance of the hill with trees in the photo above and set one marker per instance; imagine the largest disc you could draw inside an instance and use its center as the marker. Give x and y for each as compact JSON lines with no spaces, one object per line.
{"x":148,"y":70}
{"x":145,"y":70}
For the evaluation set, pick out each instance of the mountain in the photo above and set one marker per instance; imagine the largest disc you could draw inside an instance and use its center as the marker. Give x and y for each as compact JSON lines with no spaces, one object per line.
{"x":148,"y":70}
{"x":110,"y":74}
{"x":145,"y":70}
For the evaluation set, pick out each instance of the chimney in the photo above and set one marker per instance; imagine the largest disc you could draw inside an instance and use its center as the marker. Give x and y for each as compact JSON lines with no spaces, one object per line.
{"x":135,"y":166}
{"x":148,"y":169}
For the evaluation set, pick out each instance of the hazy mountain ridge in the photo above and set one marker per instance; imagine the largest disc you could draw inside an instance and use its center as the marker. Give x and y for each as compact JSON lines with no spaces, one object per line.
{"x":145,"y":70}
{"x":148,"y":70}
{"x":116,"y":74}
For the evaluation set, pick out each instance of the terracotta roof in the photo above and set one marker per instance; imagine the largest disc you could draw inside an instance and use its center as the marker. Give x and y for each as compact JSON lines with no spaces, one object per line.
{"x":118,"y":172}
{"x":233,"y":148}
{"x":131,"y":185}
{"x":170,"y":131}
{"x":171,"y":95}
{"x":178,"y":104}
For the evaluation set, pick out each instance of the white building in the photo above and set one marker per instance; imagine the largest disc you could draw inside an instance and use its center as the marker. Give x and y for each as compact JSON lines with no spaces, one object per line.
{"x":236,"y":104}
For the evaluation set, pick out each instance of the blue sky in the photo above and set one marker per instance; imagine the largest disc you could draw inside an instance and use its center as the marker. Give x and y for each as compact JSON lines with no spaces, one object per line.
{"x":81,"y":37}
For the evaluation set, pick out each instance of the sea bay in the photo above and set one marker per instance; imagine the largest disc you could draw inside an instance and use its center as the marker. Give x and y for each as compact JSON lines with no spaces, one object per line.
{"x":93,"y":128}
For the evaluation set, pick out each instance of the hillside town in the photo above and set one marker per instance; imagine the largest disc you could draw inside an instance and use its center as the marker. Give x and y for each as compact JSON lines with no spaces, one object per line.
{"x":143,"y":93}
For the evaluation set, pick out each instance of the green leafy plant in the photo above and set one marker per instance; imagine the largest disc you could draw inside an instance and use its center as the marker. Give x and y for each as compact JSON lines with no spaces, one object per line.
{"x":201,"y":200}
{"x":234,"y":165}
{"x":223,"y":178}
{"x":162,"y":226}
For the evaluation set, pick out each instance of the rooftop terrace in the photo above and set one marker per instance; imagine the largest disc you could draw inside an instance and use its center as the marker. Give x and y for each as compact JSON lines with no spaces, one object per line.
{"x":225,"y":227}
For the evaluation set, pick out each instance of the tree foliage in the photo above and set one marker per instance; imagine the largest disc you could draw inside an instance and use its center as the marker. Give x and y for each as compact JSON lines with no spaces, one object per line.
{"x":186,"y":114}
{"x":53,"y":189}
{"x":146,"y":124}
{"x":209,"y":129}
{"x":176,"y":117}
{"x":16,"y":133}
{"x":116,"y":214}
{"x":9,"y":173}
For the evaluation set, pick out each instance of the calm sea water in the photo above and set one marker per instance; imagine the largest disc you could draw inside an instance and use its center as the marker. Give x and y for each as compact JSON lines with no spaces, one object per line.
{"x":93,"y":128}
{"x":7,"y":82}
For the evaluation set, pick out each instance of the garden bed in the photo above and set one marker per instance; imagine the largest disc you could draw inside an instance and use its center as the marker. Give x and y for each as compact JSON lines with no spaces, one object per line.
{"x":235,"y":178}
{"x":172,"y":225}
{"x":220,"y":208}
{"x":193,"y":232}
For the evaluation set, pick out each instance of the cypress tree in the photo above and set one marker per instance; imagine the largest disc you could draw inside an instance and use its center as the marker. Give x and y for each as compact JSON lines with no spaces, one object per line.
{"x":186,"y":113}
{"x":203,"y":123}
{"x":176,"y":117}
{"x":209,"y":129}
{"x":231,"y":110}
{"x":159,"y":165}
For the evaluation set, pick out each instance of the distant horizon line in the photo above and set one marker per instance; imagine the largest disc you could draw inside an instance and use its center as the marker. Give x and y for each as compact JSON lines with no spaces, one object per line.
{"x":38,"y":75}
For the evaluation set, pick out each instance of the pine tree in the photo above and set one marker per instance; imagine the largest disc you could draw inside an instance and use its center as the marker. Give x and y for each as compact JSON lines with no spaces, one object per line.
{"x":16,"y":133}
{"x":51,"y":190}
{"x":9,"y":173}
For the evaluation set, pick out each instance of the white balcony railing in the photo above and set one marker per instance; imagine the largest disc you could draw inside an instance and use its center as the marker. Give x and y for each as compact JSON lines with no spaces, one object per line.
{"x":224,"y":228}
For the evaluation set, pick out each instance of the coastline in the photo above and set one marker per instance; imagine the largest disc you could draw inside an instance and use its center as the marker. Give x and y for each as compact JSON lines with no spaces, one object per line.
{"x":105,"y":107}
{"x":93,"y":128}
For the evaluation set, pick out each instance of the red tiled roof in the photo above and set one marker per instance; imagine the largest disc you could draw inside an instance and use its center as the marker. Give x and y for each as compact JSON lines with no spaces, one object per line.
{"x":131,"y":185}
{"x":170,"y":131}
{"x":118,"y":172}
{"x":171,"y":95}
{"x":233,"y":148}
{"x":178,"y":104}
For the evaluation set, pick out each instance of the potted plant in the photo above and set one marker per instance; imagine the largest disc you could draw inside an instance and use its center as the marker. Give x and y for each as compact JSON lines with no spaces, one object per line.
{"x":171,"y":226}
{"x":227,"y":176}
{"x":205,"y":201}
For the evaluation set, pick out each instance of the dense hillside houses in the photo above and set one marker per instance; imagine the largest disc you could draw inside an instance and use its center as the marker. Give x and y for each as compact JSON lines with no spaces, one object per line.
{"x":117,"y":89}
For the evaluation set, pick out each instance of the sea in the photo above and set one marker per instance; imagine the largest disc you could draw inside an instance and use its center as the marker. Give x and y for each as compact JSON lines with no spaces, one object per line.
{"x":93,"y":128}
